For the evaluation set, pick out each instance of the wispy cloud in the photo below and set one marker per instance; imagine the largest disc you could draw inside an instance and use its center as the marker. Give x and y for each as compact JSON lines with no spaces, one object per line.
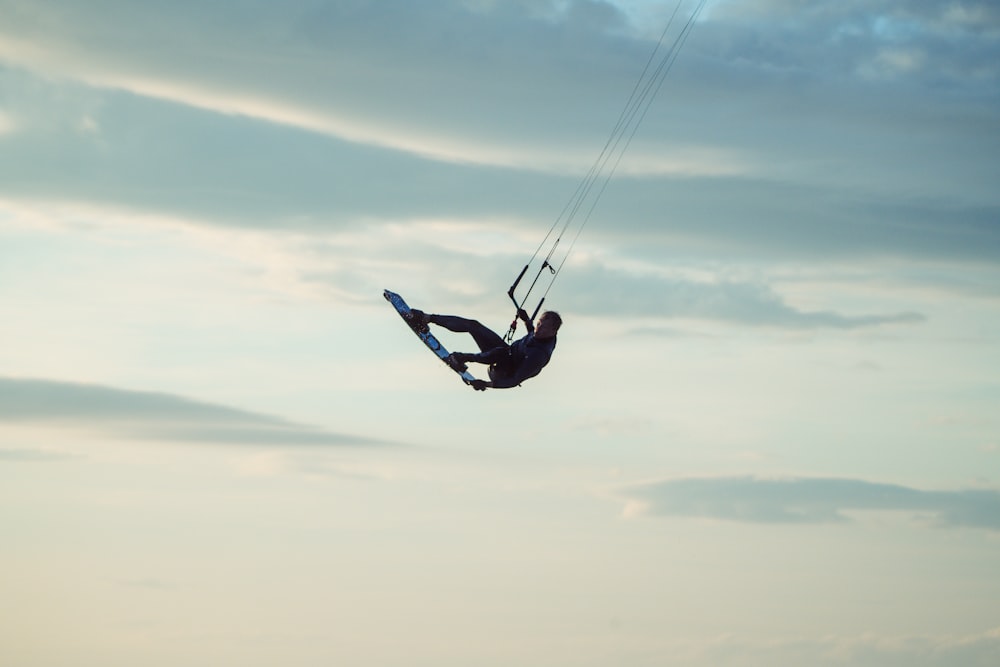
{"x":597,"y":288}
{"x":345,"y":70}
{"x":808,"y":501}
{"x":973,"y":649}
{"x":152,"y":416}
{"x":762,"y":143}
{"x":32,"y":455}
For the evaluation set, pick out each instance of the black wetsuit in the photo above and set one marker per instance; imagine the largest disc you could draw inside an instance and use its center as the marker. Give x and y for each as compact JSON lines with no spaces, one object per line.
{"x":510,"y":365}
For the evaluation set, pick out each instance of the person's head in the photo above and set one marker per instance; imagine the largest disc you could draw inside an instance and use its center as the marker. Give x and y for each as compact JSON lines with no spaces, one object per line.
{"x":548,"y":324}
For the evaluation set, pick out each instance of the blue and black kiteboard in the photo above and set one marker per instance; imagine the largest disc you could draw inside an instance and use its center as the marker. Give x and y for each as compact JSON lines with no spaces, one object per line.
{"x":424,"y":334}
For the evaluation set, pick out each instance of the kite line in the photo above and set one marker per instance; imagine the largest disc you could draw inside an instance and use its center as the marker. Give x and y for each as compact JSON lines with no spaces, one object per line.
{"x":577,"y":212}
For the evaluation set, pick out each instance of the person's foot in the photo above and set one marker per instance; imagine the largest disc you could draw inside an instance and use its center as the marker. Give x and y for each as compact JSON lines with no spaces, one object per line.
{"x":418,"y":320}
{"x":456,"y":363}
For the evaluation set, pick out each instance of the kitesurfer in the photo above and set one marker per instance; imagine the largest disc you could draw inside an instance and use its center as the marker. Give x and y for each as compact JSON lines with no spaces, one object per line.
{"x":510,"y":365}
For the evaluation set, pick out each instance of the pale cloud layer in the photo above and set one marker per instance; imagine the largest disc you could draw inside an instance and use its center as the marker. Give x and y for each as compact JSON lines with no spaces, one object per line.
{"x":794,"y":268}
{"x":151,"y":416}
{"x":974,"y":650}
{"x":393,"y":102}
{"x":809,"y":501}
{"x":351,"y":264}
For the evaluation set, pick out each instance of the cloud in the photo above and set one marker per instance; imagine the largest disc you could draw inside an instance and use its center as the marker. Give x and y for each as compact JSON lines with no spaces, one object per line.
{"x":7,"y":125}
{"x":152,"y":416}
{"x":412,"y":77}
{"x":854,"y":34}
{"x":320,"y":116}
{"x":465,"y":265}
{"x":483,"y":255}
{"x":148,"y":584}
{"x":33,"y":455}
{"x":594,"y":288}
{"x":492,"y":84}
{"x":973,"y":649}
{"x":808,"y":501}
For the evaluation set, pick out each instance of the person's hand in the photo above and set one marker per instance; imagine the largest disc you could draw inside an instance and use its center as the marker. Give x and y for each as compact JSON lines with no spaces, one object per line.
{"x":523,"y":314}
{"x":479,"y":385}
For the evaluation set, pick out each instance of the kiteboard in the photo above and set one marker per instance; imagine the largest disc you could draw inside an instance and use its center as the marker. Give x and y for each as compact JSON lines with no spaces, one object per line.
{"x":424,"y":334}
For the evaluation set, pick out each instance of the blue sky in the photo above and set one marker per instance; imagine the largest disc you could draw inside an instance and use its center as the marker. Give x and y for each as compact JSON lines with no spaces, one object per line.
{"x":769,"y":432}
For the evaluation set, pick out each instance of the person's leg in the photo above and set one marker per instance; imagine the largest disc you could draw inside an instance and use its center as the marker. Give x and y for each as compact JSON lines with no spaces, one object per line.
{"x":487,"y":339}
{"x":498,"y":355}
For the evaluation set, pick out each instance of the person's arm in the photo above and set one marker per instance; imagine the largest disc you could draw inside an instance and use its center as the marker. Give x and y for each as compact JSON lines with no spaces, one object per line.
{"x":529,"y":325}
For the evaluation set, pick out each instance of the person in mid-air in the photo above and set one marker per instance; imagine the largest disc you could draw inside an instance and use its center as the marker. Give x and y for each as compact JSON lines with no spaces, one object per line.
{"x":510,"y":365}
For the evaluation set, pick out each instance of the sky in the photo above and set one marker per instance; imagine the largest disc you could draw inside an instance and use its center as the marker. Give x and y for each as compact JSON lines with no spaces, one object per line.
{"x":768,"y":434}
